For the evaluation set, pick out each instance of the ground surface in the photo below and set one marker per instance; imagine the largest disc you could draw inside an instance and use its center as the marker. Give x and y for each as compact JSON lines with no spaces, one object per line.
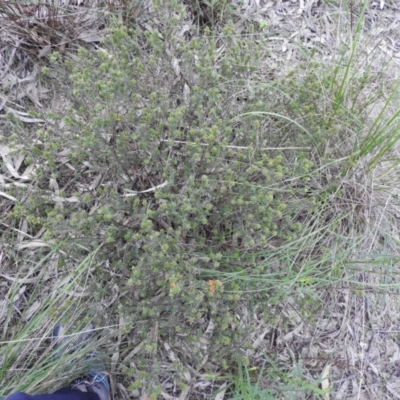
{"x":354,"y":338}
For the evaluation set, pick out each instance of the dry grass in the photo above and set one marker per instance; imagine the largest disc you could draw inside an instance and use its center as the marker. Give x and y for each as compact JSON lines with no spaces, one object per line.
{"x":30,"y":31}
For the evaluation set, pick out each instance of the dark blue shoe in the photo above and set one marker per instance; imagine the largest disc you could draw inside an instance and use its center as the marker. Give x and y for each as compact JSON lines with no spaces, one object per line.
{"x":95,"y":382}
{"x":70,"y":343}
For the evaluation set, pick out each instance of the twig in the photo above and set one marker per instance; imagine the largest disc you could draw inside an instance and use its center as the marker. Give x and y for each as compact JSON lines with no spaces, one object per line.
{"x":134,"y":193}
{"x":241,"y":147}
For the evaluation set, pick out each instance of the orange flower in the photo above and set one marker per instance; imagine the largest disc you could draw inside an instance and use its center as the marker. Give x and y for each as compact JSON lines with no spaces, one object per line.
{"x":172,"y":284}
{"x":211,"y":282}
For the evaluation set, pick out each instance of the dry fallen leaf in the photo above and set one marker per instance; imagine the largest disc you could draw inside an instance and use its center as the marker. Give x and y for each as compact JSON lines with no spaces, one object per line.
{"x":33,"y":244}
{"x":221,"y":392}
{"x":7,"y":196}
{"x":325,"y":380}
{"x":31,"y":310}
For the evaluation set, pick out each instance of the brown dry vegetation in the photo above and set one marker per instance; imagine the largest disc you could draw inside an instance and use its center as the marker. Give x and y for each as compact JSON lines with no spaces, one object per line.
{"x":214,"y":184}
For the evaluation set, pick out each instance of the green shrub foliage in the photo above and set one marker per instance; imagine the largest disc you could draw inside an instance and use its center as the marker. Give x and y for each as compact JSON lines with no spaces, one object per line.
{"x":163,"y":158}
